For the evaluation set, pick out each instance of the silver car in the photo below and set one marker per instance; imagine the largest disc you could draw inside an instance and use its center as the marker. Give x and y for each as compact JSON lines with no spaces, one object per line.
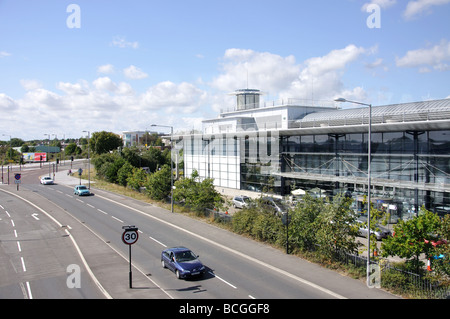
{"x":241,"y":201}
{"x":380,"y":233}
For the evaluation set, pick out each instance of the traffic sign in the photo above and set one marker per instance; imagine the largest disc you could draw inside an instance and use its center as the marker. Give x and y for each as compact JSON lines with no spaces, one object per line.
{"x":17,"y":176}
{"x":130,"y":236}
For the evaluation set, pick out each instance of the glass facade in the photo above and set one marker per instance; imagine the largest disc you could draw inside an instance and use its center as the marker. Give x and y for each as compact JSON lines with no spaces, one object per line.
{"x":407,"y":168}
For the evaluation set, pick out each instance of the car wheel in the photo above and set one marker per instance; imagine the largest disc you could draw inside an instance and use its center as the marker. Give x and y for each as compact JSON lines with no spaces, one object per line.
{"x":163,"y":264}
{"x":178,"y":274}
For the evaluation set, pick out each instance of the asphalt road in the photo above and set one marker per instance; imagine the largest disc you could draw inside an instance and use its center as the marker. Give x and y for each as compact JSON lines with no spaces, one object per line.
{"x":238,"y":268}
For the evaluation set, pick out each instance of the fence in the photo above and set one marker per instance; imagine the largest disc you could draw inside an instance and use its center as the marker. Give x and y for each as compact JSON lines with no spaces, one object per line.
{"x":399,"y":279}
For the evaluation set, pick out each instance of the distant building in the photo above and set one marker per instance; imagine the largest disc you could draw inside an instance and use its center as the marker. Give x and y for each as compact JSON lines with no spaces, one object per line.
{"x":135,"y":138}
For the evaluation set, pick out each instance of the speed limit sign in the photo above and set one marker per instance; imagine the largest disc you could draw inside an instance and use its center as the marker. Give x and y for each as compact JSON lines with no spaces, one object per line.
{"x":130,"y":236}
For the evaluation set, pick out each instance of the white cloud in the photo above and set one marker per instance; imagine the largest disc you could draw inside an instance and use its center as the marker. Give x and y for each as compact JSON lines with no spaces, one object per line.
{"x":434,"y":57}
{"x":264,"y":70}
{"x":121,"y":42}
{"x":134,"y":73}
{"x":183,"y":97}
{"x":30,"y":85}
{"x":106,"y":69}
{"x":4,"y":54}
{"x":384,"y":4}
{"x":72,"y":89}
{"x":282,"y":77}
{"x":418,"y":7}
{"x":7,"y":104}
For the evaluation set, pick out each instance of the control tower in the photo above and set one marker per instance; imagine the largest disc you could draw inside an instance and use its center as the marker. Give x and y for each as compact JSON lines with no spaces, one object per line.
{"x":247,"y":99}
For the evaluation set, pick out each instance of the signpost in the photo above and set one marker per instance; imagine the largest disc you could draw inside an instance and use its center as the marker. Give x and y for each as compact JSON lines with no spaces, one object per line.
{"x":17,"y":179}
{"x":80,"y":171}
{"x":129,"y":237}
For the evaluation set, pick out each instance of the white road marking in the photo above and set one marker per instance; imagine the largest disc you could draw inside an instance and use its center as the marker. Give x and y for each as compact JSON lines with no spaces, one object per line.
{"x":221,"y":279}
{"x":30,"y":296}
{"x":117,"y":219}
{"x":157,"y":241}
{"x":23,"y":264}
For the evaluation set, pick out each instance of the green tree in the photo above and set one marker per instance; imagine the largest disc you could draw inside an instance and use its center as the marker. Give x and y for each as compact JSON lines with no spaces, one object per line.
{"x":72,"y":149}
{"x":123,"y":173}
{"x":197,"y":195}
{"x":303,"y":222}
{"x":442,"y":264}
{"x":158,"y":183}
{"x":103,"y":142}
{"x":137,"y":178}
{"x":412,"y":238}
{"x":336,"y":229}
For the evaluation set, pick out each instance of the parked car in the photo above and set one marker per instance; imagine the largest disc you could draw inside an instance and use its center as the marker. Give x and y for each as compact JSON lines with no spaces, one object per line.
{"x":46,"y":180}
{"x":274,"y":204}
{"x":381,"y":233}
{"x":81,"y":190}
{"x":183,"y":262}
{"x":241,"y":201}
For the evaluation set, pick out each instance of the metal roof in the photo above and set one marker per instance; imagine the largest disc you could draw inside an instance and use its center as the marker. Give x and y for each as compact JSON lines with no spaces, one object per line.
{"x":440,"y":109}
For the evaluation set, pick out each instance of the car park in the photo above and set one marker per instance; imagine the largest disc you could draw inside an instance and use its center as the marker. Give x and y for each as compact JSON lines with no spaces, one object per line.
{"x":274,"y":205}
{"x":241,"y":201}
{"x":46,"y":180}
{"x":381,"y":232}
{"x":81,"y":190}
{"x":183,"y":262}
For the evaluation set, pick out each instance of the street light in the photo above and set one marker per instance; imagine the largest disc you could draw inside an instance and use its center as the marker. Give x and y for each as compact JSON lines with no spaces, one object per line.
{"x":171,"y":163}
{"x":48,"y":155}
{"x":89,"y":160}
{"x":369,"y":155}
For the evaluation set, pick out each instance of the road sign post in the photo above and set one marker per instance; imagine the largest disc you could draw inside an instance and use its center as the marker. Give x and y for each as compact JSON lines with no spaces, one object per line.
{"x":17,"y":180}
{"x":129,"y":237}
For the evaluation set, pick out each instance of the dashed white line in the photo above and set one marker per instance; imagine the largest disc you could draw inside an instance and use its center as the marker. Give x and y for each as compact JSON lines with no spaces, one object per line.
{"x":101,"y":211}
{"x":18,"y":246}
{"x":30,"y":296}
{"x":23,"y":264}
{"x":90,"y":205}
{"x":157,"y":241}
{"x":117,"y":219}
{"x":221,"y":279}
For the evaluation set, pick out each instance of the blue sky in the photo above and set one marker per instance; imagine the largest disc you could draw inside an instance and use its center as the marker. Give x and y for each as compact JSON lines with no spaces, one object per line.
{"x":133,"y":63}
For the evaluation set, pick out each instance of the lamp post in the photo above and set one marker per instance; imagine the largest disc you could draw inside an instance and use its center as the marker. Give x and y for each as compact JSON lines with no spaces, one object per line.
{"x":89,"y":160}
{"x":171,"y":163}
{"x":369,"y":155}
{"x":48,"y":154}
{"x":10,"y":156}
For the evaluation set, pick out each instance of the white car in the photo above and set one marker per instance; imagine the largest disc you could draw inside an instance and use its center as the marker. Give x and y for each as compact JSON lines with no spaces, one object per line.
{"x":46,"y":180}
{"x":241,"y":201}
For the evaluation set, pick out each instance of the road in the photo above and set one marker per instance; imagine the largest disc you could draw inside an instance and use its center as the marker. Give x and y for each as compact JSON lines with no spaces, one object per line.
{"x":238,"y":268}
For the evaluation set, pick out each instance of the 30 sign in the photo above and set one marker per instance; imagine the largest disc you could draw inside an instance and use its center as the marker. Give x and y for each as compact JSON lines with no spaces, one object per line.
{"x":130,"y":236}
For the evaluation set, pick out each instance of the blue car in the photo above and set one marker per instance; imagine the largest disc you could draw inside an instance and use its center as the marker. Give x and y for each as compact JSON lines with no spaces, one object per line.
{"x":183,"y":262}
{"x":81,"y":190}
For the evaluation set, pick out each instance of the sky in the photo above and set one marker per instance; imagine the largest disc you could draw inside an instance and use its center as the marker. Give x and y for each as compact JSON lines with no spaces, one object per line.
{"x":115,"y":65}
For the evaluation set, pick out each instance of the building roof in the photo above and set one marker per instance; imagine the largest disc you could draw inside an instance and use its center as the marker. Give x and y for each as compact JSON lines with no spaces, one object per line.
{"x":426,"y":110}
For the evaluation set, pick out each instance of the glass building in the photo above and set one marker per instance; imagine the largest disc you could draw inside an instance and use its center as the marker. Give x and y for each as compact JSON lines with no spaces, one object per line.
{"x":292,"y":145}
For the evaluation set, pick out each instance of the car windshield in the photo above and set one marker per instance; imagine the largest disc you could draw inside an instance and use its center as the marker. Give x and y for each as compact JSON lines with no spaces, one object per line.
{"x":185,"y":256}
{"x":82,"y":187}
